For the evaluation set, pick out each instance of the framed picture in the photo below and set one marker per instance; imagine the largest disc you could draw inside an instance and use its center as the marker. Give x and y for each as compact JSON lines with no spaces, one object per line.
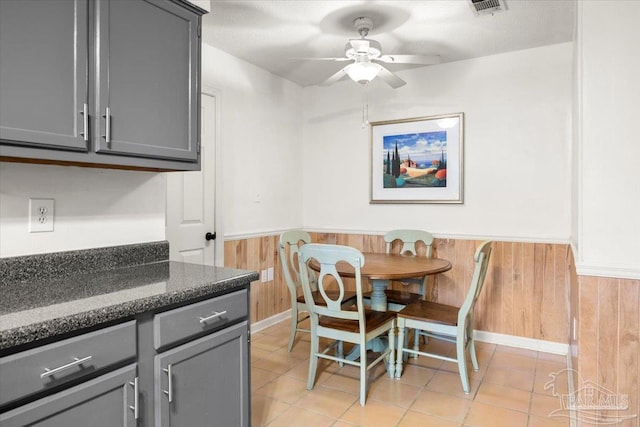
{"x":417,"y":160}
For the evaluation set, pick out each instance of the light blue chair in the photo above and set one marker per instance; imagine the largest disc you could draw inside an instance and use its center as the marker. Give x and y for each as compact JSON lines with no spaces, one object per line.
{"x":334,"y":320}
{"x":409,"y":239}
{"x":445,"y":322}
{"x":288,"y":247}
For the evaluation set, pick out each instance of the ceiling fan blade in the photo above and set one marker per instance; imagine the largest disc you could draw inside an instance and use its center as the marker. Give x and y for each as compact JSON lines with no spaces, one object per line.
{"x":410,"y":59}
{"x":323,"y":59}
{"x":334,"y":78}
{"x":390,"y":78}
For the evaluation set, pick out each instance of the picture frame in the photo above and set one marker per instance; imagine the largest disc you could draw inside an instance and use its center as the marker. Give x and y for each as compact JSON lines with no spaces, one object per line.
{"x":418,"y":160}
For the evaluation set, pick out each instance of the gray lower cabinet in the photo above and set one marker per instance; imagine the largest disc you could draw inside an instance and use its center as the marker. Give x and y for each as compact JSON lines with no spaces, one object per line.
{"x":104,"y":83}
{"x":107,"y":401}
{"x":205,"y":382}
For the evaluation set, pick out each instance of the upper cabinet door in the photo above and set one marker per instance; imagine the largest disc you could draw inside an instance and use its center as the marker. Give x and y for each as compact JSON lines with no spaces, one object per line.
{"x":43,"y":81}
{"x":147,"y":89}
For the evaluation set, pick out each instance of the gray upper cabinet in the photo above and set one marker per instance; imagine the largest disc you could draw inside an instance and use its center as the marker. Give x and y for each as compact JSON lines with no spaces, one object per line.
{"x":43,"y":74}
{"x":146,"y":88}
{"x":104,"y":83}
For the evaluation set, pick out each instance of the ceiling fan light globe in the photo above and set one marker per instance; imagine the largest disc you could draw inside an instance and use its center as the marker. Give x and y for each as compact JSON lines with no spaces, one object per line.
{"x":362,"y":72}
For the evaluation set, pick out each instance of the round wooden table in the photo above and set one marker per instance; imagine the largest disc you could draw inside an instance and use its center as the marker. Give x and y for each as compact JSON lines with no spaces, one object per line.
{"x":381,"y":268}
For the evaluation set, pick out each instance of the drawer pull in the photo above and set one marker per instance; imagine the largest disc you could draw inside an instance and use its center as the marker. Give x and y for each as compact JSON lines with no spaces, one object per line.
{"x":134,"y":408}
{"x":213,"y":316}
{"x":48,"y":372}
{"x":169,"y":392}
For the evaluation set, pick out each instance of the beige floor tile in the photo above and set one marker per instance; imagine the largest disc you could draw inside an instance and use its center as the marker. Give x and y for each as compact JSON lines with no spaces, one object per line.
{"x":505,"y":397}
{"x":417,"y":419}
{"x":513,"y":361}
{"x":483,"y":415}
{"x":391,"y":391}
{"x":514,"y":378}
{"x":551,"y":357}
{"x":543,"y":405}
{"x":373,"y":414}
{"x":260,"y":377}
{"x":442,"y":405}
{"x":258,"y":353}
{"x":264,"y":409}
{"x":324,"y":370}
{"x":267,"y":342}
{"x":415,"y":375}
{"x":284,"y":388}
{"x":555,"y":384}
{"x":535,"y":421}
{"x":546,"y":367}
{"x":449,"y":383}
{"x":516,"y":350}
{"x":341,"y":423}
{"x":296,"y":416}
{"x":278,"y":362}
{"x":328,"y":401}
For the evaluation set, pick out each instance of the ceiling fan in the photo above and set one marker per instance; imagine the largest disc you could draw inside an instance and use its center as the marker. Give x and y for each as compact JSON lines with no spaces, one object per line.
{"x":366,"y":56}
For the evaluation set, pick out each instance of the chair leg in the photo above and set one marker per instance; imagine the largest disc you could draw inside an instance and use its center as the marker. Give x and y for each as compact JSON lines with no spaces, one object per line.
{"x":472,"y":352}
{"x":416,"y":342}
{"x":313,"y":361}
{"x":462,"y":365}
{"x":294,"y":324}
{"x":391,"y":363}
{"x":400,"y":350}
{"x":363,"y":373}
{"x":340,"y":352}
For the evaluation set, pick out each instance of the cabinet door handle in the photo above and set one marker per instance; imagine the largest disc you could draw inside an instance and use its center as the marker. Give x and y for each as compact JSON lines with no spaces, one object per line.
{"x":135,"y":406}
{"x":213,"y":316}
{"x":169,"y":392}
{"x":48,"y":372}
{"x":85,"y":122}
{"x":107,"y":125}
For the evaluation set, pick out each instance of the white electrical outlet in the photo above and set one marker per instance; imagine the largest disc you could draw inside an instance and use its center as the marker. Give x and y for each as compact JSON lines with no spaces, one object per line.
{"x":270,"y":274}
{"x":263,"y":276}
{"x":41,"y":215}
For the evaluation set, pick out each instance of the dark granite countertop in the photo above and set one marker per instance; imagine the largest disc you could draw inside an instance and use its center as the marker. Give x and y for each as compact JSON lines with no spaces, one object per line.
{"x":32,"y":310}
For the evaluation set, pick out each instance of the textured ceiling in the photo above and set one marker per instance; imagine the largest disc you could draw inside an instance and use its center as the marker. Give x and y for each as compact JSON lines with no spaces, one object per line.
{"x":272,"y":34}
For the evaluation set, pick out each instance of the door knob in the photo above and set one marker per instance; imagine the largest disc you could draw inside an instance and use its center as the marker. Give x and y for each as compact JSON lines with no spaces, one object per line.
{"x":210,"y":236}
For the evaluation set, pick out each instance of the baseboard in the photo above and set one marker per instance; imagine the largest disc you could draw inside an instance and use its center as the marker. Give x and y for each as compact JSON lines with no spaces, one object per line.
{"x":522,"y":342}
{"x":270,"y":321}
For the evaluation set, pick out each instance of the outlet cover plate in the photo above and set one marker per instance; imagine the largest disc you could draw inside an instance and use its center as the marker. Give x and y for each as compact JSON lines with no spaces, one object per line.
{"x":41,"y":214}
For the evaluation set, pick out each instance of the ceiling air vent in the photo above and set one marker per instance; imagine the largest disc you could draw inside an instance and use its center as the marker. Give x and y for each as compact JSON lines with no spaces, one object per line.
{"x":483,"y":7}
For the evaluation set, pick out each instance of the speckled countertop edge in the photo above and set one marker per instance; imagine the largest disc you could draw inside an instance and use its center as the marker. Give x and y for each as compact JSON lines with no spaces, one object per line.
{"x":34,"y":287}
{"x":59,"y":326}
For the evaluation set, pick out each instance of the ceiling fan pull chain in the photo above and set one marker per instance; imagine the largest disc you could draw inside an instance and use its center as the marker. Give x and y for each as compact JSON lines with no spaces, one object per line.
{"x":365,"y":106}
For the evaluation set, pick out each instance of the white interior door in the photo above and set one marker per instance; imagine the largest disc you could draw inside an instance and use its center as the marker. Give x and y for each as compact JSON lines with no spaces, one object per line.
{"x":191,"y":199}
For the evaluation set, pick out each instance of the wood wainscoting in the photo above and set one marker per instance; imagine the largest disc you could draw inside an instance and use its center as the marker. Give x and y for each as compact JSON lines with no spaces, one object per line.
{"x":526,"y":291}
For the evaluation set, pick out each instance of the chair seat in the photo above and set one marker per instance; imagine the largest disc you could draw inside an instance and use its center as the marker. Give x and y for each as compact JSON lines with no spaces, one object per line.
{"x":373,"y":319}
{"x":317,"y":297}
{"x":402,"y":297}
{"x":431,"y":312}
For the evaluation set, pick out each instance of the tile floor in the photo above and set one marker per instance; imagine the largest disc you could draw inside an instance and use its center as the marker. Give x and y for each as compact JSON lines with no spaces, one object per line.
{"x":508,"y":390}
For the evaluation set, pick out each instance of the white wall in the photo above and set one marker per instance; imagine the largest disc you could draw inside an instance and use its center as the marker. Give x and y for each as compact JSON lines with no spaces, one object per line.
{"x":260,"y":131}
{"x":93,"y":207}
{"x":609,"y":158}
{"x":517,"y":154}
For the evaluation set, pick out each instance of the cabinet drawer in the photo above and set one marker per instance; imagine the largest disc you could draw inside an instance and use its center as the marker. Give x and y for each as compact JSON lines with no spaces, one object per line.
{"x":55,"y":364}
{"x":175,"y":325}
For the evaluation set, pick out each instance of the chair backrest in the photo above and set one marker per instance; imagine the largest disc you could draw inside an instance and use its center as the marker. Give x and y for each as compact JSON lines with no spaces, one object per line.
{"x":481,"y":259}
{"x":288,"y":248}
{"x":327,"y":256}
{"x":409,"y":238}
